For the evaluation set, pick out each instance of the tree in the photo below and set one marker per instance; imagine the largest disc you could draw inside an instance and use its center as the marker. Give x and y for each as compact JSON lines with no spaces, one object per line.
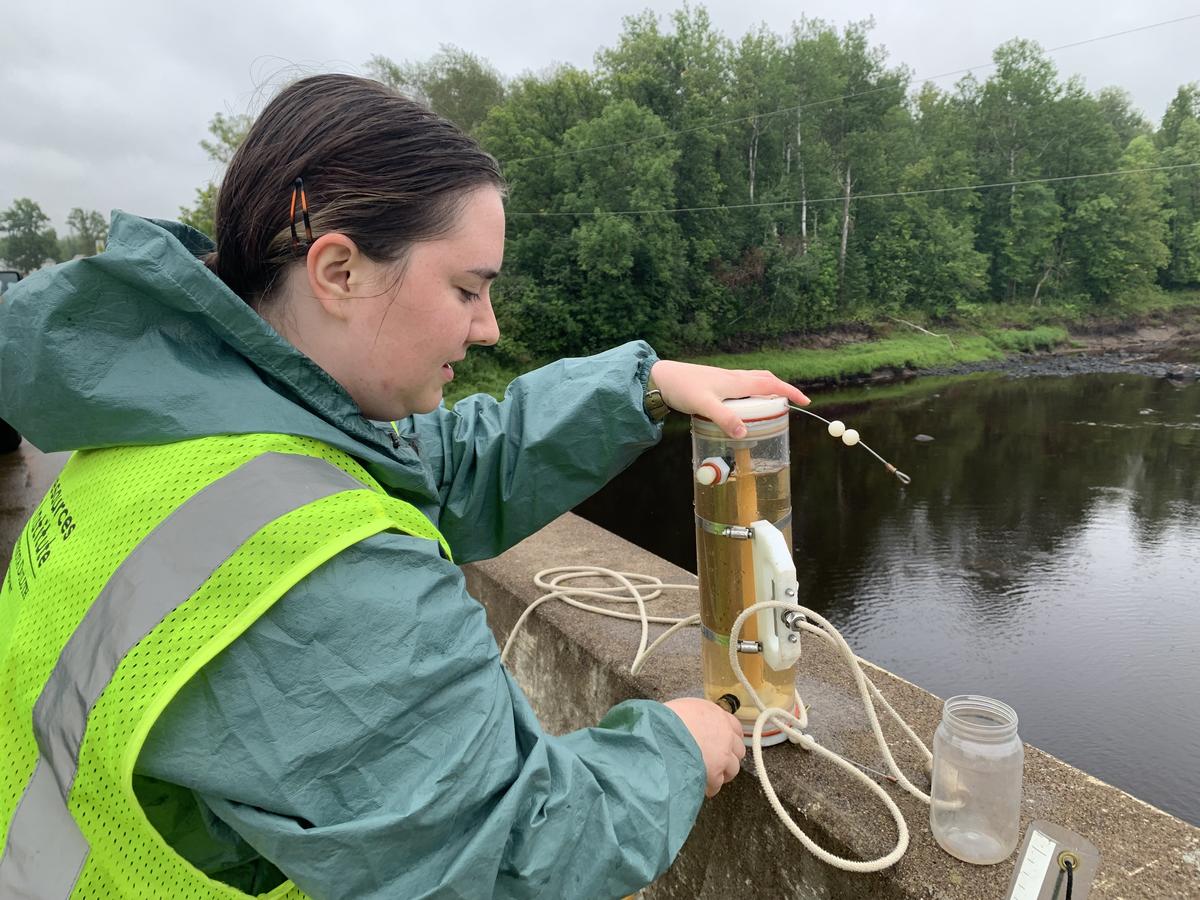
{"x":924,"y":256}
{"x":1117,"y":107}
{"x":227,"y":132}
{"x":1184,"y":106}
{"x":89,"y":231}
{"x":1121,"y":232}
{"x":1179,"y":139}
{"x":1015,"y":139}
{"x":453,"y":83}
{"x":1082,"y":139}
{"x":626,"y":272}
{"x":683,"y":76}
{"x":860,"y":125}
{"x":807,"y":183}
{"x":202,"y":215}
{"x":29,"y":241}
{"x":526,"y":133}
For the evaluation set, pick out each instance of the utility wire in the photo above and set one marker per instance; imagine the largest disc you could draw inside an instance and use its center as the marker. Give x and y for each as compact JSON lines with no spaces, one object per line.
{"x":812,"y":103}
{"x":841,"y":198}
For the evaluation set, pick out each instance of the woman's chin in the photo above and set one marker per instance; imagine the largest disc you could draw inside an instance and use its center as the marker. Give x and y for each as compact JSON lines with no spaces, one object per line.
{"x":410,"y":405}
{"x":428,"y":404}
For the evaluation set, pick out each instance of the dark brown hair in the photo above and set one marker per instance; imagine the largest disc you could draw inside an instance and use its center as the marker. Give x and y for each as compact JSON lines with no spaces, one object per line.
{"x":380,"y":168}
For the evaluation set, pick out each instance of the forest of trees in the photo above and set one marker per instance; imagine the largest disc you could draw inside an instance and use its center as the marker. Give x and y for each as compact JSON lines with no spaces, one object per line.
{"x":699,"y":191}
{"x":28,"y":242}
{"x":817,"y":124}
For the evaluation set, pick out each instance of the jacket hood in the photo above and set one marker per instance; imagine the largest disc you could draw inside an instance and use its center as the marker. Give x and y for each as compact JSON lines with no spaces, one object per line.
{"x":142,"y":344}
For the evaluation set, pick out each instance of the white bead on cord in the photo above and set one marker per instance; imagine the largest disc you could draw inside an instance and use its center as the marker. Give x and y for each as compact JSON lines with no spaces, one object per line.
{"x":850,"y":437}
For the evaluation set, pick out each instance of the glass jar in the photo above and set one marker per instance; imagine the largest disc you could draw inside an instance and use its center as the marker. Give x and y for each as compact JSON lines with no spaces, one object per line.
{"x":975,"y":803}
{"x":739,"y":482}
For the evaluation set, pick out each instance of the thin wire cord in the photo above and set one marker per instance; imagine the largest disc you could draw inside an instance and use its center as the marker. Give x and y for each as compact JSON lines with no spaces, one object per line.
{"x":904,"y":479}
{"x":811,"y":103}
{"x":841,"y":199}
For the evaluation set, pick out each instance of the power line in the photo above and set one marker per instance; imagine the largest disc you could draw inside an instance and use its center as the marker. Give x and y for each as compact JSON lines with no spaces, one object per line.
{"x":842,"y":198}
{"x":812,"y":103}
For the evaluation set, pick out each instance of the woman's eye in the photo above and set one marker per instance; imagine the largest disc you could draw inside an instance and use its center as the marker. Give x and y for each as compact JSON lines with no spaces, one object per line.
{"x":468,"y":295}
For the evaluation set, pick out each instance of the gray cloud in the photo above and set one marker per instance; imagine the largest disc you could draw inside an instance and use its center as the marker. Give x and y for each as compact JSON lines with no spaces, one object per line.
{"x":104,"y":105}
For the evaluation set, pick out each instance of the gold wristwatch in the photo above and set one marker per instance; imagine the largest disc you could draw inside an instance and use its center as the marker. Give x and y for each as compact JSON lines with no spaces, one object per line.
{"x":653,"y":403}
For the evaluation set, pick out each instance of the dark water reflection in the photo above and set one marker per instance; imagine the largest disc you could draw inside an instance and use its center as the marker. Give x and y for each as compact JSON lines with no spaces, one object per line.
{"x":1047,"y":553}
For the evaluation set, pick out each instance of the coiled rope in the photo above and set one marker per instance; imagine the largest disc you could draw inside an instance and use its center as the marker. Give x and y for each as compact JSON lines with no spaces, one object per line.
{"x":638,"y":589}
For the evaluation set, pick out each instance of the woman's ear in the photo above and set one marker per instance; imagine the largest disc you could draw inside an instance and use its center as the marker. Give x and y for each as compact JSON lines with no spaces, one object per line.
{"x":334,"y":265}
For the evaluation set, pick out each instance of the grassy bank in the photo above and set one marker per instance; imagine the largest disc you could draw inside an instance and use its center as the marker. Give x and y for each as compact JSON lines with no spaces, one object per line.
{"x":910,"y":350}
{"x":976,"y":333}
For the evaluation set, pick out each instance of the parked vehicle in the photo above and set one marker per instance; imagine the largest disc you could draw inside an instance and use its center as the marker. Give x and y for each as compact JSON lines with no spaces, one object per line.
{"x":9,"y":439}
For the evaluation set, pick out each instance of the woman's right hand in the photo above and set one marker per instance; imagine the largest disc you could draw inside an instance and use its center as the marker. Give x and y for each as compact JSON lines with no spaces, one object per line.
{"x":719,"y":736}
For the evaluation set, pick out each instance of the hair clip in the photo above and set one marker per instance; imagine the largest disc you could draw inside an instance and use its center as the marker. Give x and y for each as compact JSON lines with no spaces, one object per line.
{"x":298,"y":190}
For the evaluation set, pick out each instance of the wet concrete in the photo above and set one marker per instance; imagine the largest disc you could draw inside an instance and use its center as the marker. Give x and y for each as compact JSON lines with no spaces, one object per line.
{"x":25,"y":476}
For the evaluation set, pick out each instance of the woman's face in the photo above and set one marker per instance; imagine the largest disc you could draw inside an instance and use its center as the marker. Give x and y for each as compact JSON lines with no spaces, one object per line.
{"x":402,"y":343}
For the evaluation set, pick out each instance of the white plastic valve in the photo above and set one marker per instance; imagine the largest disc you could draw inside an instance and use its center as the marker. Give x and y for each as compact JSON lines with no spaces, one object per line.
{"x":713,"y":470}
{"x":774,"y":579}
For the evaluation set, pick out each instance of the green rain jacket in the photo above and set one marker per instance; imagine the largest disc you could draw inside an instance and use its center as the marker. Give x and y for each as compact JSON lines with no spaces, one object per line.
{"x":362,"y":735}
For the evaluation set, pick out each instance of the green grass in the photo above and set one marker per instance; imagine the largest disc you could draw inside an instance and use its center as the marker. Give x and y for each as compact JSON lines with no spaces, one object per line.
{"x":900,"y":351}
{"x":1142,"y":304}
{"x":1043,"y":337}
{"x":979,"y":332}
{"x":906,"y":351}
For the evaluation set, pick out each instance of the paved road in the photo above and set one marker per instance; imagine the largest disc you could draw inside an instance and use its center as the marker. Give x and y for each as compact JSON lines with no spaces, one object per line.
{"x":25,"y":476}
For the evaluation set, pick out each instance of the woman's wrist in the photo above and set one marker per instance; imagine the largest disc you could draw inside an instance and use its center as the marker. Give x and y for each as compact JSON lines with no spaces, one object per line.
{"x":652,"y":401}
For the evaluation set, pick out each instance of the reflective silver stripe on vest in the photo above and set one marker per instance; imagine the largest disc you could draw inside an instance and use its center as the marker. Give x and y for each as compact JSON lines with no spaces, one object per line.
{"x":166,"y":568}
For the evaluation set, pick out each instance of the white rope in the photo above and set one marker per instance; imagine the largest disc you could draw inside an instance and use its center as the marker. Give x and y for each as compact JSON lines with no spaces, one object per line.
{"x":790,"y":725}
{"x":624,"y":592}
{"x":630,"y":588}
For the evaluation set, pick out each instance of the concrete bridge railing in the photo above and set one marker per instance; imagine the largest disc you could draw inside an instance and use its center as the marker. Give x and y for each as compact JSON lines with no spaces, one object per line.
{"x":575,"y":665}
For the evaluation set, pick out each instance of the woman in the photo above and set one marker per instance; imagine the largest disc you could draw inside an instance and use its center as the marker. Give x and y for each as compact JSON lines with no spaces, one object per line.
{"x":235,"y":611}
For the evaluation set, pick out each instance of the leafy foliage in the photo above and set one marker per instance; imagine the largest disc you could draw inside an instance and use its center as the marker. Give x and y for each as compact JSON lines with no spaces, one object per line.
{"x":89,"y":231}
{"x":227,"y":132}
{"x":457,"y":84}
{"x":705,"y":193}
{"x":801,"y":183}
{"x":28,"y":241}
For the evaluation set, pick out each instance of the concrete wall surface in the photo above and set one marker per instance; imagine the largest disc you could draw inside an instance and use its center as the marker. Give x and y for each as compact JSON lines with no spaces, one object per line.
{"x":575,"y":665}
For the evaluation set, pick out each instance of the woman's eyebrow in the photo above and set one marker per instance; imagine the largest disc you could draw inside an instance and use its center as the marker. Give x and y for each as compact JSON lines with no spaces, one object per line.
{"x":485,"y":274}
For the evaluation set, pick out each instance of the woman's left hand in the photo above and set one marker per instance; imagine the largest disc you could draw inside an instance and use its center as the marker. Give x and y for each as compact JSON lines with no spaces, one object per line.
{"x":699,"y":390}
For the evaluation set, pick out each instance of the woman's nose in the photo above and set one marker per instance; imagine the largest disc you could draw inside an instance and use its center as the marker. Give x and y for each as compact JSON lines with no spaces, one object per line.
{"x":485,"y":329}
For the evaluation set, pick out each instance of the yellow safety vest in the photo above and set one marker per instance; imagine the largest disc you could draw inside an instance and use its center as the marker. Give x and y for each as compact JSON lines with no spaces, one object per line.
{"x":137,"y":568}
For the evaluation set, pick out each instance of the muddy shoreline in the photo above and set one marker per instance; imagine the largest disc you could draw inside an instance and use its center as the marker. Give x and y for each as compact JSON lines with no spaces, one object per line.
{"x":1156,"y":350}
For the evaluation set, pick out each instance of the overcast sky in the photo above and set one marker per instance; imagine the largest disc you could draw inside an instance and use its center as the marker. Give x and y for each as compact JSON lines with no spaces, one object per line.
{"x":103,"y":105}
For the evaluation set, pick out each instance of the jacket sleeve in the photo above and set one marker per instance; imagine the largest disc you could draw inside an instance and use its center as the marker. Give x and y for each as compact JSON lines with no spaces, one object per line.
{"x":506,"y":468}
{"x":363,"y":737}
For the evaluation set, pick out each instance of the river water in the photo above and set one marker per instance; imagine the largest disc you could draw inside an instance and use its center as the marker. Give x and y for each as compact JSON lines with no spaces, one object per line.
{"x":1047,"y":553}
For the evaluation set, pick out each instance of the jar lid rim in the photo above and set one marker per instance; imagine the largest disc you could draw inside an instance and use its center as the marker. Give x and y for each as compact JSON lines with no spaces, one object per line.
{"x":960,"y":703}
{"x":757,"y":408}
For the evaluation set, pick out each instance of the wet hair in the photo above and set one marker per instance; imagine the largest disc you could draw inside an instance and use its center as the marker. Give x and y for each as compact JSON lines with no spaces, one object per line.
{"x":378,"y":167}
